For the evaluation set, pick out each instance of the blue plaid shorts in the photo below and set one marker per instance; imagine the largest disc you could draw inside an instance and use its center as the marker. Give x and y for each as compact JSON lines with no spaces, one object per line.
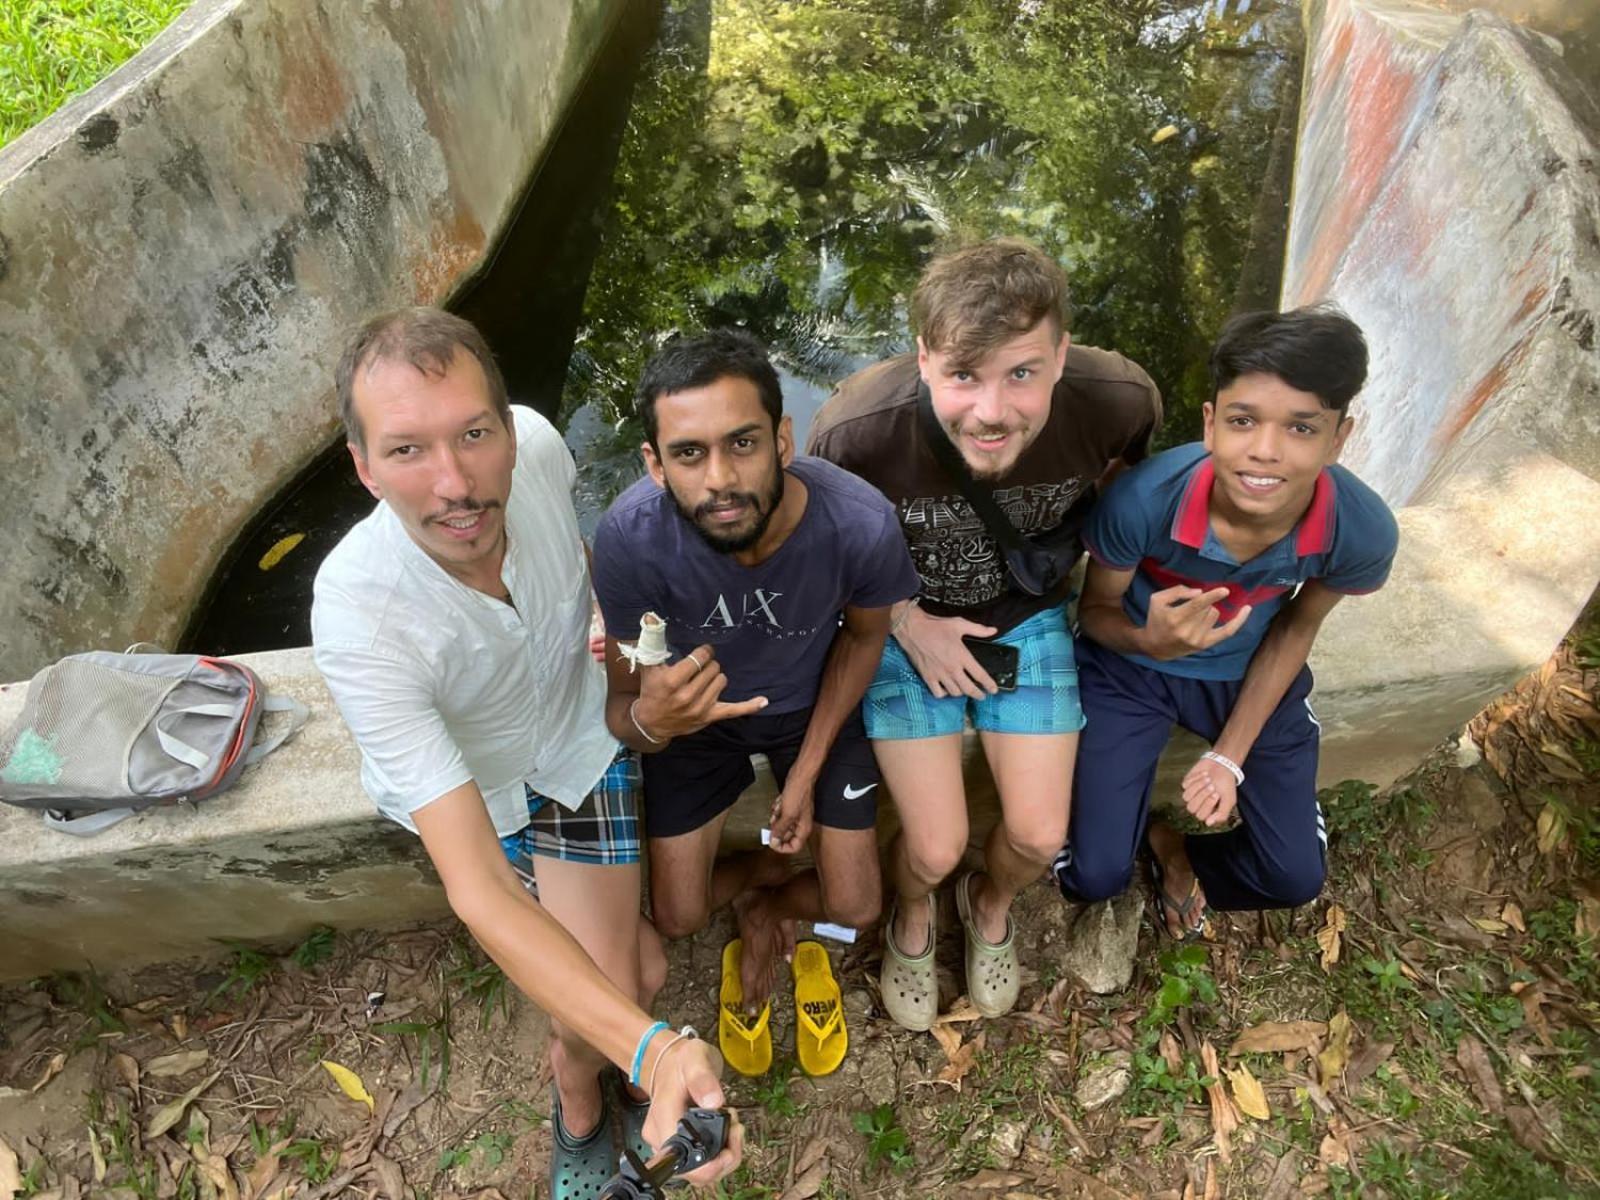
{"x":602,"y":831}
{"x":899,"y":705}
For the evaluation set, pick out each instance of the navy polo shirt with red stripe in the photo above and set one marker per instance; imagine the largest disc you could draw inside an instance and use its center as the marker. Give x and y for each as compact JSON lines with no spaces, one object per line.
{"x":1155,"y":520}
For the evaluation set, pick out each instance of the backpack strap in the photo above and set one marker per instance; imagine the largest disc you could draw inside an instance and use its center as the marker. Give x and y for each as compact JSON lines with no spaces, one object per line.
{"x":87,"y":825}
{"x":299,"y":714}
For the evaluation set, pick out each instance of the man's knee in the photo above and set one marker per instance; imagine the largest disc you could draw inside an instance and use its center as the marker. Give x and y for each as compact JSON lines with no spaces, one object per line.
{"x":1091,"y":881}
{"x":678,"y":916}
{"x":1290,"y":885}
{"x":857,"y":909}
{"x":933,"y":860}
{"x":1039,"y":840}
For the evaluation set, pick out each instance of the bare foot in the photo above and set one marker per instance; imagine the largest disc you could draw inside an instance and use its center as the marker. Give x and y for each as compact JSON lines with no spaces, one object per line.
{"x":1183,"y":907}
{"x":762,"y":934}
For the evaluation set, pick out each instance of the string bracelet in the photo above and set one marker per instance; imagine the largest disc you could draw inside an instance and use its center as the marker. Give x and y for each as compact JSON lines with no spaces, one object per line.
{"x":688,"y":1031}
{"x":1232,"y":767}
{"x":638,"y":1054}
{"x":899,"y":622}
{"x":643,"y":732}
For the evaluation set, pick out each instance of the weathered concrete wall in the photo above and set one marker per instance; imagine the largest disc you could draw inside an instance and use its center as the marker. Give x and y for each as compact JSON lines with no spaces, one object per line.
{"x":183,"y":250}
{"x":1447,"y":195}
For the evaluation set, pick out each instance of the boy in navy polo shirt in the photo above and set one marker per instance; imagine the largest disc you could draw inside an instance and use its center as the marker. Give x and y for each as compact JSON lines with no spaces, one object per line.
{"x":1213,"y":566}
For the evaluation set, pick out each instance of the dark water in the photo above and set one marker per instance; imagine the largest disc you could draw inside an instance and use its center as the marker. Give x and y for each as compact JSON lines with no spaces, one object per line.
{"x":791,"y":167}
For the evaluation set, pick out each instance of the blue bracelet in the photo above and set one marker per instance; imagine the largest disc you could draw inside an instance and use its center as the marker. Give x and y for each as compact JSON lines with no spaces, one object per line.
{"x":638,"y":1055}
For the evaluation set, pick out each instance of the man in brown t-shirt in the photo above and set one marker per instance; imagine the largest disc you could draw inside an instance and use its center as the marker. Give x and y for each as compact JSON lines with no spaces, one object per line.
{"x":1040,"y":425}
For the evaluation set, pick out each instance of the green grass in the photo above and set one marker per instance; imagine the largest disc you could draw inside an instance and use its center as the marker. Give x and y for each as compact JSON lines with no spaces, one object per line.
{"x":50,"y":50}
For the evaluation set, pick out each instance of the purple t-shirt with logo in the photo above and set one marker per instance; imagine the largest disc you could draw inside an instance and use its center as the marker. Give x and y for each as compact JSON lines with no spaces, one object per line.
{"x":771,"y":625}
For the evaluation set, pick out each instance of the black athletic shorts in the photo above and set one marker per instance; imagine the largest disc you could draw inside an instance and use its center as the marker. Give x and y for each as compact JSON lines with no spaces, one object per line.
{"x":698,"y":777}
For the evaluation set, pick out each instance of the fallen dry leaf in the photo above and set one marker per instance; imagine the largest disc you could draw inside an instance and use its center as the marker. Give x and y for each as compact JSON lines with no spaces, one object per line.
{"x":1511,"y":914}
{"x":350,"y":1084}
{"x":1213,"y":1189}
{"x":1533,"y":999}
{"x":169,"y":1066}
{"x":1223,"y":1119}
{"x":961,"y":1010}
{"x":1551,"y":829}
{"x":1525,"y":1128}
{"x":265,"y":1170}
{"x":51,"y":1070}
{"x":1365,"y":1061}
{"x":1171,"y":1054}
{"x":128,"y":1067}
{"x":1334,"y":1152}
{"x":815,"y":1150}
{"x":1474,"y":1061}
{"x":963,"y":1061}
{"x":949,"y":1040}
{"x":1272,"y":1037}
{"x":1248,"y":1093}
{"x":808,"y":1182}
{"x":1328,"y":937}
{"x":1331,"y":1062}
{"x":170,"y":1114}
{"x":1586,"y":923}
{"x":1489,"y":924}
{"x":10,"y":1172}
{"x":97,"y":1156}
{"x":180,"y":1025}
{"x":390,"y":1180}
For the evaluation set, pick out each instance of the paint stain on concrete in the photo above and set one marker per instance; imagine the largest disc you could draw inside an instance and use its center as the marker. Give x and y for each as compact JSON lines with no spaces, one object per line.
{"x":1482,"y":393}
{"x":312,"y":92}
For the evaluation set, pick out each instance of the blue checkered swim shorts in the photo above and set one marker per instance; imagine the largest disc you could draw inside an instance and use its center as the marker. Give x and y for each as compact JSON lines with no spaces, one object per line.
{"x":602,"y":831}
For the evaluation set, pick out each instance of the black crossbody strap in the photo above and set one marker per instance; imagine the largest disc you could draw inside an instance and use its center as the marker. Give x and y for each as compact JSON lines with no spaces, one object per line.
{"x":982,"y":500}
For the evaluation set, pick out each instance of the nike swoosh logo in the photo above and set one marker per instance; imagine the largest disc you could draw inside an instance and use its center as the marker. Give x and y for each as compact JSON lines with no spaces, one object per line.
{"x":855,"y":793}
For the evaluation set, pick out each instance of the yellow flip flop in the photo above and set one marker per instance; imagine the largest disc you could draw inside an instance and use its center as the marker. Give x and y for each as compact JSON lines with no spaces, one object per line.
{"x":820,"y":1038}
{"x":747,"y":1048}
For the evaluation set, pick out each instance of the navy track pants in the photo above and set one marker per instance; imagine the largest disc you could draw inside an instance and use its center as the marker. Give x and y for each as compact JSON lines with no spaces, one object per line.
{"x":1276,"y":857}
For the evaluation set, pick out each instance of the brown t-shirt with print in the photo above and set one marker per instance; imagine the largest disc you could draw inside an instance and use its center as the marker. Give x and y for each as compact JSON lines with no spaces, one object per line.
{"x":1104,"y":408}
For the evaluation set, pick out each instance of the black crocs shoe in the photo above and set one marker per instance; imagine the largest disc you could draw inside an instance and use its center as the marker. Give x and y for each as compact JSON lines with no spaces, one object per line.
{"x":581,"y":1167}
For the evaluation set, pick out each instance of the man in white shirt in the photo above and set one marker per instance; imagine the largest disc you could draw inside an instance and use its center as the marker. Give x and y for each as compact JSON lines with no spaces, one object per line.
{"x":451,"y":627}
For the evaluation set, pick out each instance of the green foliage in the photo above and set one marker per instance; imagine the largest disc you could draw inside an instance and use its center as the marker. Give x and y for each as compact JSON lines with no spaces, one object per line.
{"x":248,"y":968}
{"x":33,"y":1179}
{"x":128,"y":1165}
{"x":85,"y":993}
{"x":50,"y":50}
{"x":772,"y":1093}
{"x":886,"y":1141}
{"x":741,"y":1186}
{"x":482,"y":981}
{"x":490,"y":1147}
{"x":316,"y":1160}
{"x":1185,"y":979}
{"x":793,"y":166}
{"x":316,"y":949}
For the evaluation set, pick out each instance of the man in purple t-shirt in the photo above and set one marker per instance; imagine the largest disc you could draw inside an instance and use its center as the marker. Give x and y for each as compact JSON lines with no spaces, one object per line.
{"x":774,"y":575}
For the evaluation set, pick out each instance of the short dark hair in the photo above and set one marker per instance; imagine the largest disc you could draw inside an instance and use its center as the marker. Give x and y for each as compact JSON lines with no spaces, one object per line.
{"x":428,"y":339}
{"x":975,"y":299}
{"x":1316,"y":349}
{"x":704,"y":358}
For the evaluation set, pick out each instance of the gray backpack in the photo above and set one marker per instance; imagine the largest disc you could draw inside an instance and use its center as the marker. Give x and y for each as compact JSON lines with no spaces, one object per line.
{"x":103,"y":735}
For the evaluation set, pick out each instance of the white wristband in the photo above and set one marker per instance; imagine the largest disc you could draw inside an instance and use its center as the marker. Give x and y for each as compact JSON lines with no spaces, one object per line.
{"x":1233,"y":768}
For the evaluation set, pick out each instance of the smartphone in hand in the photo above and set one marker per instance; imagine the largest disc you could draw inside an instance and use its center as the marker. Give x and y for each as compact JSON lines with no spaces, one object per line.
{"x":996,"y":658}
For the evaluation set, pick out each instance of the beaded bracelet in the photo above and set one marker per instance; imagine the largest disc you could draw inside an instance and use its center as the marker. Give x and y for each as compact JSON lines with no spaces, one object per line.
{"x":638,"y":1054}
{"x":1232,"y":767}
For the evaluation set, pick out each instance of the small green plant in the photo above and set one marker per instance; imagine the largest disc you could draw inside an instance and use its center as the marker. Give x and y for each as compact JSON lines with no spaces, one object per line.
{"x":86,"y":994}
{"x":741,"y":1186}
{"x":1387,"y":975}
{"x":316,"y":1160}
{"x":1185,"y":979}
{"x":886,"y":1141}
{"x":484,"y":982}
{"x":772,"y":1093}
{"x":315,"y":949}
{"x":33,"y":1179}
{"x":433,"y":1038}
{"x":248,"y":968}
{"x":490,"y":1147}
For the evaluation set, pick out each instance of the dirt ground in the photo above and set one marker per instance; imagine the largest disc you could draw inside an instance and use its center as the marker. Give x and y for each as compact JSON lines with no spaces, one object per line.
{"x":1427,"y":1029}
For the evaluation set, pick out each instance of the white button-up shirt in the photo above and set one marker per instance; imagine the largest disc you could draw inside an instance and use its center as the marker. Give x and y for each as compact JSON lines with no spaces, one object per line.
{"x":441,"y":684}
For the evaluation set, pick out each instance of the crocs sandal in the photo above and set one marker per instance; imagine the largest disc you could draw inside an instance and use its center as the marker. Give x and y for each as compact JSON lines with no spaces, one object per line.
{"x":1193,"y":926}
{"x":580,"y":1167}
{"x":746,"y":1047}
{"x":630,"y":1112}
{"x":994,"y":978}
{"x":908,"y":985}
{"x":820,"y":1038}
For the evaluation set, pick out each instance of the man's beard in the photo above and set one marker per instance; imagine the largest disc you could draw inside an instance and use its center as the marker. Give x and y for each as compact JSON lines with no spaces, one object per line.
{"x":732,"y":543}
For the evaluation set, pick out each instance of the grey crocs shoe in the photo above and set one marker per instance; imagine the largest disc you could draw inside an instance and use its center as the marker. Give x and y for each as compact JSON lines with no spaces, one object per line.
{"x":994,"y":978}
{"x":909,"y":987}
{"x":580,"y":1167}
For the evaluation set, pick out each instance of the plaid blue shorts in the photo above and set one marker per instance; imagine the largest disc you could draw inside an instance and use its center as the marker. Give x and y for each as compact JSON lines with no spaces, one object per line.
{"x":898,"y":703}
{"x":602,"y":831}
